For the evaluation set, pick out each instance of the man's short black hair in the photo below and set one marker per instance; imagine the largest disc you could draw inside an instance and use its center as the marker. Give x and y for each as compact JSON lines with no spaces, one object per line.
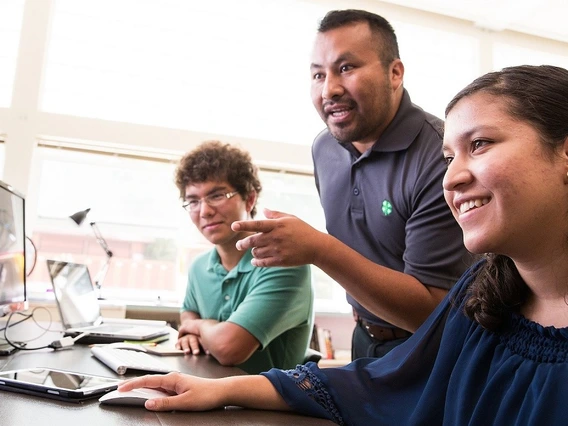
{"x":387,"y":45}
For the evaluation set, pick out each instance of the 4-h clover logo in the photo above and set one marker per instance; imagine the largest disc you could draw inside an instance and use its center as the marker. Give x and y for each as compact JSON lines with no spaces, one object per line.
{"x":387,"y":207}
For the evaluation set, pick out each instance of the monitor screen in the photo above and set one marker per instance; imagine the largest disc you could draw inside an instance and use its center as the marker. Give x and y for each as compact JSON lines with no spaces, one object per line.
{"x":12,"y":246}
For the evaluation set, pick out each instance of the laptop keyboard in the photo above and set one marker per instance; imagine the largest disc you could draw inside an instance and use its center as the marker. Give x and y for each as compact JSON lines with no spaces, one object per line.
{"x":108,"y":328}
{"x":122,"y":360}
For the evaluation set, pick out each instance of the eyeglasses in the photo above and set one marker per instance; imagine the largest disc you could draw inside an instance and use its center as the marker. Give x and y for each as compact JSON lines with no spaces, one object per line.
{"x":213,"y":200}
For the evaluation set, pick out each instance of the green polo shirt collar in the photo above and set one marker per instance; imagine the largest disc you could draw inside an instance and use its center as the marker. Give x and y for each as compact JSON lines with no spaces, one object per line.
{"x":244,"y":265}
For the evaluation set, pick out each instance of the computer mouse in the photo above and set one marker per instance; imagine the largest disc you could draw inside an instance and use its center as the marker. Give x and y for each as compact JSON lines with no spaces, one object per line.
{"x":133,"y":398}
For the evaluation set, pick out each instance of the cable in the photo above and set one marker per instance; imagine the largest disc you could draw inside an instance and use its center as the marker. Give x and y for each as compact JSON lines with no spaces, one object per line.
{"x":66,"y":342}
{"x":19,"y":344}
{"x":35,"y":256}
{"x":27,"y":317}
{"x":22,"y":344}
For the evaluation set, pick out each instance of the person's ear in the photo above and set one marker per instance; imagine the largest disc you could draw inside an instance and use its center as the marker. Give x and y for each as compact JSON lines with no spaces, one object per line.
{"x":250,"y":201}
{"x":396,"y":72}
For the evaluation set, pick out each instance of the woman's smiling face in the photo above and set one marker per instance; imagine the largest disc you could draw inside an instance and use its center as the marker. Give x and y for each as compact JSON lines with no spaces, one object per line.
{"x":505,"y":190}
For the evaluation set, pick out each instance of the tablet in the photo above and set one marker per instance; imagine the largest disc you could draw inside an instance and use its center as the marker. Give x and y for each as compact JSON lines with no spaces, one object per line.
{"x":56,"y":384}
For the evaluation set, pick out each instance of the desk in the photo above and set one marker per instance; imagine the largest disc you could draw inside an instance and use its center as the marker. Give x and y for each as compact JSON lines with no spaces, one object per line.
{"x":23,"y":410}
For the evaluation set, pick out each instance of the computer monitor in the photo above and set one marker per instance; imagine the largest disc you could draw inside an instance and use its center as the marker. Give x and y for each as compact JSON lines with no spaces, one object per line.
{"x":12,"y":249}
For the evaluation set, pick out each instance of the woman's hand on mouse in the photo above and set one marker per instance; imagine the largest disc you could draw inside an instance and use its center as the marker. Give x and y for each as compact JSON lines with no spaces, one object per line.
{"x":190,"y":393}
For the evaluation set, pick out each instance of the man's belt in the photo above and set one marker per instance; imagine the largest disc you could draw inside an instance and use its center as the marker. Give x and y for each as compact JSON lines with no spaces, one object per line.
{"x":383,"y":334}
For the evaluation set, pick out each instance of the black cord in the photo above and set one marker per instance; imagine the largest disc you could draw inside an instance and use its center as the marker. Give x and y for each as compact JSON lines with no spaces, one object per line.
{"x":27,"y":317}
{"x":22,"y":345}
{"x":35,"y":255}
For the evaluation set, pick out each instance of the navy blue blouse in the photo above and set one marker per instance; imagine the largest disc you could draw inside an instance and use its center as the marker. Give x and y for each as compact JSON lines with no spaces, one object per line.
{"x":450,"y":372}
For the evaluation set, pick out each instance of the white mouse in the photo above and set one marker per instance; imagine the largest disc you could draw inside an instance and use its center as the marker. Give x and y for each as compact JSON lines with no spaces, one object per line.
{"x":135,"y":397}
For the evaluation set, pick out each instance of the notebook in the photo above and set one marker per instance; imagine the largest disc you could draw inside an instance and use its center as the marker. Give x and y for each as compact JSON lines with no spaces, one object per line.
{"x":80,"y":312}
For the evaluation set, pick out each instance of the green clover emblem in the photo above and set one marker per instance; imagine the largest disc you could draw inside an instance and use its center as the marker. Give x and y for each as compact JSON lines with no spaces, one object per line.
{"x":387,"y":207}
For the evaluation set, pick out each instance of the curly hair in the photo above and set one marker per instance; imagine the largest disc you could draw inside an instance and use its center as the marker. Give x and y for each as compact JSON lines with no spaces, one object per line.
{"x":387,"y":44}
{"x":535,"y":95}
{"x":216,"y":161}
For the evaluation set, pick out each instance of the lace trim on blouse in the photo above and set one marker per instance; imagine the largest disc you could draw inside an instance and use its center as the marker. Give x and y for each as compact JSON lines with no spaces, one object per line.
{"x":535,"y":342}
{"x":307,"y":381}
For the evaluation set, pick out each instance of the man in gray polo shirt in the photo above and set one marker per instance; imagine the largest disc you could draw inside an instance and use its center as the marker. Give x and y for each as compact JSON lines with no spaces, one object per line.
{"x":393,"y":243}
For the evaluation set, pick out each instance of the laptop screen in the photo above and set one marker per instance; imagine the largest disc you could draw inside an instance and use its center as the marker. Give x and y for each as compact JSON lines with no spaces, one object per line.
{"x":74,"y":293}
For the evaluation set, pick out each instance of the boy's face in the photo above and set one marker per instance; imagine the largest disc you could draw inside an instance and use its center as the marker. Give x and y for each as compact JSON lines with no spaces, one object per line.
{"x":214,"y":222}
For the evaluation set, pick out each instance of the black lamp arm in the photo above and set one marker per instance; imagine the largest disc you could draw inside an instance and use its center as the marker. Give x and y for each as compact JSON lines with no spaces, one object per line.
{"x":103,"y":271}
{"x":102,"y":242}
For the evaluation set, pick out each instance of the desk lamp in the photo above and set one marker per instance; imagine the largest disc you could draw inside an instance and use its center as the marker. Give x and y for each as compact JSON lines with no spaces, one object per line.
{"x":79,"y":218}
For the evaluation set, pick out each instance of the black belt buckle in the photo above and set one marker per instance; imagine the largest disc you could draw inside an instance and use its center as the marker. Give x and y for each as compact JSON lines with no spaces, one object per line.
{"x":385,"y":333}
{"x":369,"y":332}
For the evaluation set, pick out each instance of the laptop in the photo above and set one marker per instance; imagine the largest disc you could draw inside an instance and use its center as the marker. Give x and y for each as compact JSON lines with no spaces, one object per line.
{"x":80,"y":311}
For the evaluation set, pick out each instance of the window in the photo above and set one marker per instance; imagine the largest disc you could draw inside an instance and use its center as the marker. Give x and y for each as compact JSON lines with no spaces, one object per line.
{"x":2,"y":157}
{"x":136,"y":207}
{"x":219,"y":66}
{"x":506,"y":55}
{"x":214,"y":67}
{"x":11,"y":13}
{"x":456,"y":59}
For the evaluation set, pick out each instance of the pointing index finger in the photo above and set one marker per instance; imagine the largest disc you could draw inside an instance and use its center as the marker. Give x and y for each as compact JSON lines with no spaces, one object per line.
{"x":253,"y":225}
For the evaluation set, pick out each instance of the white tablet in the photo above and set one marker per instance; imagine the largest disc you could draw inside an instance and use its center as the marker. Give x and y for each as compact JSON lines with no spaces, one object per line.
{"x":56,"y":384}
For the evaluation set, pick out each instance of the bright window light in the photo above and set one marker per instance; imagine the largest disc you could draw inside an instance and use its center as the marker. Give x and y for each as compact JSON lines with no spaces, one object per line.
{"x":506,"y":55}
{"x":2,"y":158}
{"x":10,"y":26}
{"x":220,"y":66}
{"x":456,"y":59}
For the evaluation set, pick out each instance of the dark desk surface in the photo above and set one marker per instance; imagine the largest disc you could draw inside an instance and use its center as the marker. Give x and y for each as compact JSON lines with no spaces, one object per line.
{"x":22,"y":410}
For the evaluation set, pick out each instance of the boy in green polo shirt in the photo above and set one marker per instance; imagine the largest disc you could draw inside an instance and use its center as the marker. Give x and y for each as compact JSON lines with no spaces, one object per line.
{"x":254,"y":318}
